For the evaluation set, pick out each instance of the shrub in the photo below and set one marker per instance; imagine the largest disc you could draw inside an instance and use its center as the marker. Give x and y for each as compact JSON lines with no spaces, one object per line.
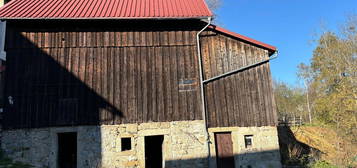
{"x":322,"y":164}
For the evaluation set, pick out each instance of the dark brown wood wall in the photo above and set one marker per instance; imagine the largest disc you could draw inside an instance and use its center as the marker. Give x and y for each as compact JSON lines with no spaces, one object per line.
{"x":241,"y":99}
{"x":74,"y":73}
{"x":101,"y":73}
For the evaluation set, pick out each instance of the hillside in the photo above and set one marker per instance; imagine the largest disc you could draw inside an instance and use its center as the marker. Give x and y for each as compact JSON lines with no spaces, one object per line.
{"x":307,"y":143}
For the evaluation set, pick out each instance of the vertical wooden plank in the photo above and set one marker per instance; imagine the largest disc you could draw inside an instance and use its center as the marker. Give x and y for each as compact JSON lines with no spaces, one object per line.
{"x":263,"y":106}
{"x":205,"y":57}
{"x":145,"y":87}
{"x":258,"y":103}
{"x":104,"y":83}
{"x":132,"y":84}
{"x":106,"y":38}
{"x":237,"y":87}
{"x":148,"y":83}
{"x":43,"y":81}
{"x":197,"y":87}
{"x":211,"y":107}
{"x":252,"y":92}
{"x":92,"y":72}
{"x":143,"y":38}
{"x":189,"y":76}
{"x":159,"y":84}
{"x":174,"y":83}
{"x":228,"y":85}
{"x":10,"y":110}
{"x":47,"y":39}
{"x":75,"y":81}
{"x":138,"y":80}
{"x":117,"y":83}
{"x":244,"y":88}
{"x":130,"y":38}
{"x":212,"y":52}
{"x":167,"y":84}
{"x":149,"y":38}
{"x":179,"y":37}
{"x":102,"y":76}
{"x":81,"y":83}
{"x":153,"y":92}
{"x":270,"y":89}
{"x":164,"y":38}
{"x":110,"y":90}
{"x":156,"y":38}
{"x":182,"y":76}
{"x":125,"y":85}
{"x":221,"y":83}
{"x":208,"y":88}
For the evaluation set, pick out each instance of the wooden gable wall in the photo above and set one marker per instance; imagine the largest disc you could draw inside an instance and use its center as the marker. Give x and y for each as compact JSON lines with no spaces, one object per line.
{"x":241,"y":99}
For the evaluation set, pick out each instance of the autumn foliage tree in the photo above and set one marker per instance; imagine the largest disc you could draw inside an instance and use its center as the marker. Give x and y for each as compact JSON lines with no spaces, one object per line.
{"x":333,"y":72}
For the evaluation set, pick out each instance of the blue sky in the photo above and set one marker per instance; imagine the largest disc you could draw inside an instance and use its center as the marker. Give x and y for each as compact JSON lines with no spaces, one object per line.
{"x":290,"y":25}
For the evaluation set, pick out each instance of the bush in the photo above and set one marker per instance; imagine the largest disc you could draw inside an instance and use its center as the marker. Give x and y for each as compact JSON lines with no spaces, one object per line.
{"x":6,"y":162}
{"x":322,"y":164}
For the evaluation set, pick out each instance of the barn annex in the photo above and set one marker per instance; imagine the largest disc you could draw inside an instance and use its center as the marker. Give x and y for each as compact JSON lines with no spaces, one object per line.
{"x":133,"y":83}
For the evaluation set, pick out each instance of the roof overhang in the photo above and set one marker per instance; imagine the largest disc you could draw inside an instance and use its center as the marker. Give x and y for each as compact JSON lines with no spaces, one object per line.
{"x":107,"y":18}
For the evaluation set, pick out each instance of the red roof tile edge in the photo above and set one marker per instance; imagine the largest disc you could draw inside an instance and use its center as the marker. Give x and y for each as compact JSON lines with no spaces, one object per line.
{"x":250,"y":40}
{"x":102,"y":18}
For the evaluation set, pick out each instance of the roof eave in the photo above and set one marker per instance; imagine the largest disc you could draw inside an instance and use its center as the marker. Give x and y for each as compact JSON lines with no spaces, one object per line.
{"x":270,"y":48}
{"x":106,"y":18}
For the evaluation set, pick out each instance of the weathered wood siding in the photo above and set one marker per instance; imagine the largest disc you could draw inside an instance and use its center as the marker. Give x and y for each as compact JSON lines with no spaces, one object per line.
{"x":242,"y":99}
{"x":79,"y":73}
{"x":88,"y":73}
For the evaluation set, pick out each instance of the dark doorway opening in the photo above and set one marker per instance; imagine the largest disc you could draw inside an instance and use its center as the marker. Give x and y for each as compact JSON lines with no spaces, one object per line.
{"x":153,"y":151}
{"x":224,"y":150}
{"x":67,"y":150}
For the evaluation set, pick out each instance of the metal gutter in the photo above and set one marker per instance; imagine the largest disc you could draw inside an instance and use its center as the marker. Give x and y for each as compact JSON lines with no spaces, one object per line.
{"x":275,"y":55}
{"x":2,"y":40}
{"x":204,"y":115}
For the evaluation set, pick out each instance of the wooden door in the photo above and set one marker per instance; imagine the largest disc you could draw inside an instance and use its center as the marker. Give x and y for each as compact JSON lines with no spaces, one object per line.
{"x":224,"y":150}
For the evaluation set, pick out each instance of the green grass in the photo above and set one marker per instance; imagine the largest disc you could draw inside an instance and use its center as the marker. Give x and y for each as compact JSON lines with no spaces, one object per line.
{"x":6,"y":162}
{"x":322,"y":164}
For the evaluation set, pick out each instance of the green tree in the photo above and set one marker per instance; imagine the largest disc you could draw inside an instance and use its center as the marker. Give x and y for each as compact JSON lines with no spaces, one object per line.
{"x":306,"y":76}
{"x":332,"y":75}
{"x":290,"y":100}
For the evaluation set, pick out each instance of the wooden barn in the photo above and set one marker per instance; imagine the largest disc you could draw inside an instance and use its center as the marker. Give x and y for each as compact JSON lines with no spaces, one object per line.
{"x":133,"y":83}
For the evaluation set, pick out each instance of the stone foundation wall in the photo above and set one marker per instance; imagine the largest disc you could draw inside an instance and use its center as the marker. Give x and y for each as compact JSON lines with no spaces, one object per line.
{"x":100,"y":146}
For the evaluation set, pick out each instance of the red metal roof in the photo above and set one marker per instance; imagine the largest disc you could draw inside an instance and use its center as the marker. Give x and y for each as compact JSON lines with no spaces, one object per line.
{"x":104,"y":9}
{"x":244,"y":38}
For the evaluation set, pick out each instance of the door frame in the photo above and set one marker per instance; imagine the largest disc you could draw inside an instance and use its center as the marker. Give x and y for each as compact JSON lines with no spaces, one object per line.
{"x":212,"y":144}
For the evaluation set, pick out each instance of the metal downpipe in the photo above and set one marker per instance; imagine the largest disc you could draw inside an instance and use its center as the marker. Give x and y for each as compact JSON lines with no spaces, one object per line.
{"x":202,"y":89}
